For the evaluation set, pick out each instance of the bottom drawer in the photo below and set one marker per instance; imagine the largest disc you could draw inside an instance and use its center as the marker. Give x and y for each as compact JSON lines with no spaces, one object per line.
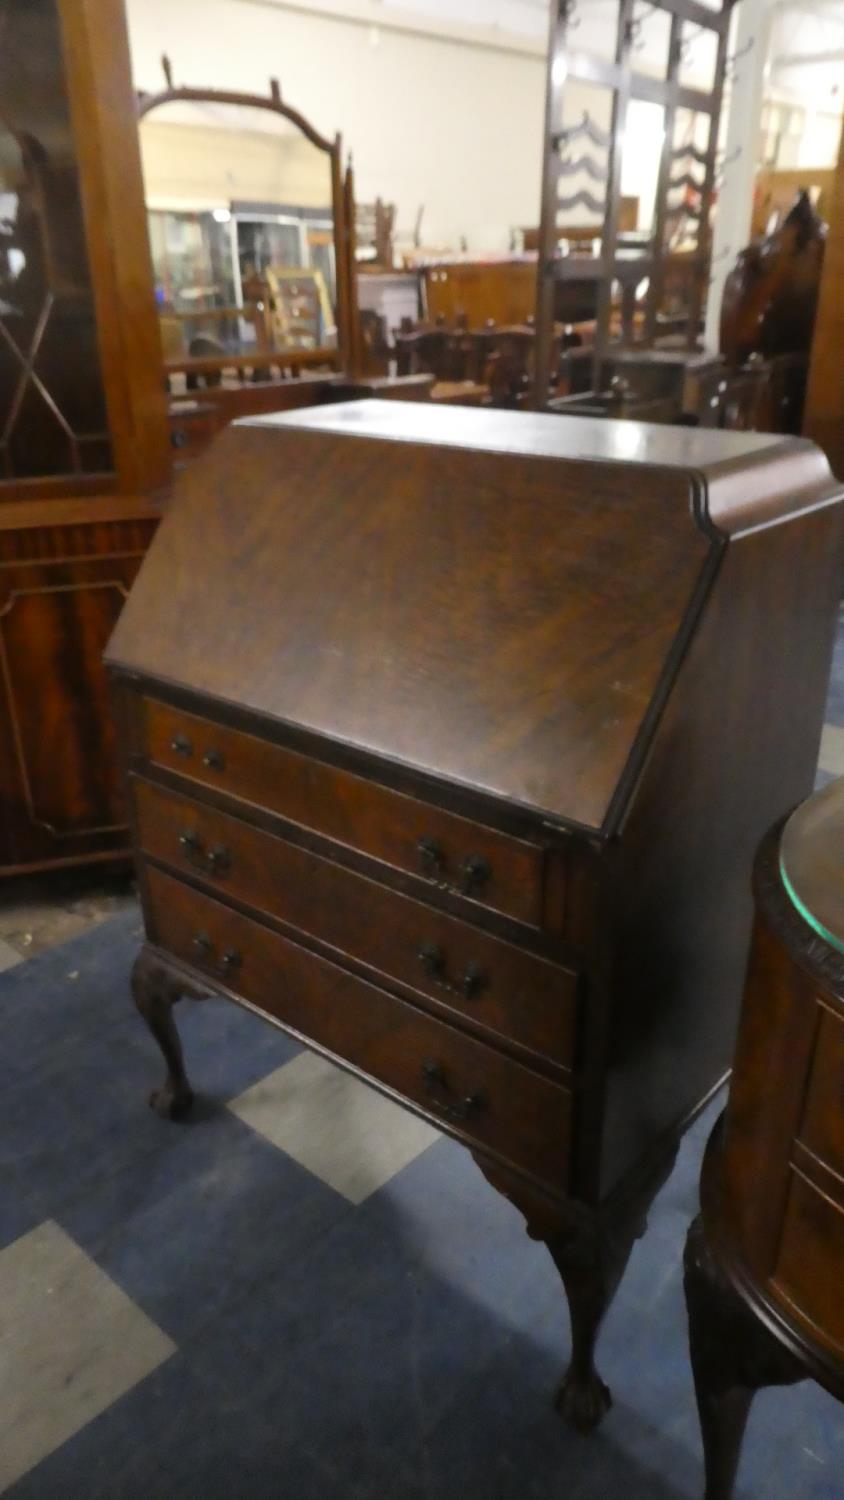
{"x":811,"y":1257}
{"x":466,"y":1087}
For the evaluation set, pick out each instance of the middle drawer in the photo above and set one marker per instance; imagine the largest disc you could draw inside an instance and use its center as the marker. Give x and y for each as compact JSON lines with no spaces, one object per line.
{"x":496,"y":986}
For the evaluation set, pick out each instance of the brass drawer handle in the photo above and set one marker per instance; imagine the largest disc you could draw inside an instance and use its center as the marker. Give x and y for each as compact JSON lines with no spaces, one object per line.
{"x":229,"y":959}
{"x":442,"y":1096}
{"x":432,"y":856}
{"x":181,"y":745}
{"x":215,"y":860}
{"x":434,"y":962}
{"x":474,"y":872}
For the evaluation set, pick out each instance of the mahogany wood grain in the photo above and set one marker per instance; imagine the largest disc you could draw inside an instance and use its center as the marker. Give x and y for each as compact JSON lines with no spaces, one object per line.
{"x":773,"y":1053}
{"x":567,"y":602}
{"x":358,"y":813}
{"x":811,"y":1254}
{"x":519,"y":1115}
{"x":763,"y":1261}
{"x":761,"y":617}
{"x":493,"y":986}
{"x":63,"y":581}
{"x":822,"y":1128}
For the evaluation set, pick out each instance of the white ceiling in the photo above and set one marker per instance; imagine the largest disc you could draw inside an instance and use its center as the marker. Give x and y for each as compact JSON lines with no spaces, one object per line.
{"x":806,"y":59}
{"x":522,"y":17}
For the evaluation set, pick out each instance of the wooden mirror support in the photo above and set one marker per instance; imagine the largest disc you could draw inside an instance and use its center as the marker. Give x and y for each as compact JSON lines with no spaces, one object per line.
{"x":343,"y":357}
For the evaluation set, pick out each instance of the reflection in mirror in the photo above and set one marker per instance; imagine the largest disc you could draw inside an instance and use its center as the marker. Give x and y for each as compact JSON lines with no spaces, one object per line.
{"x":241,"y":227}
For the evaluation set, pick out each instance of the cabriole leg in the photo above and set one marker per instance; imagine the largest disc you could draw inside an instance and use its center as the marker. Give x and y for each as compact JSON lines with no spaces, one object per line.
{"x":155,"y":990}
{"x":733,"y":1356}
{"x":590,"y":1249}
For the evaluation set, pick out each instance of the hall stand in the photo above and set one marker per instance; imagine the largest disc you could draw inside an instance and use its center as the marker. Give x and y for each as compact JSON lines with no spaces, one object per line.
{"x":582,"y":167}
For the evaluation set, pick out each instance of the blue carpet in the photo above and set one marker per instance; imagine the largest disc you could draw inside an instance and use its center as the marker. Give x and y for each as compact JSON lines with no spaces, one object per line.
{"x":405,"y":1348}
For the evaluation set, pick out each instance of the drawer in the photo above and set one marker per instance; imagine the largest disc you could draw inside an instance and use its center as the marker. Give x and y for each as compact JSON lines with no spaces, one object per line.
{"x":465,"y":1086}
{"x":490,"y":983}
{"x":811,"y":1257}
{"x":452,"y":852}
{"x":822,"y":1128}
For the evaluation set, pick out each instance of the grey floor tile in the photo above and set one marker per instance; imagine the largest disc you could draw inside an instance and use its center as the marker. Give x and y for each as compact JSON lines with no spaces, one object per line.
{"x":9,"y":956}
{"x":831,"y":758}
{"x":340,"y":1129}
{"x":71,"y":1343}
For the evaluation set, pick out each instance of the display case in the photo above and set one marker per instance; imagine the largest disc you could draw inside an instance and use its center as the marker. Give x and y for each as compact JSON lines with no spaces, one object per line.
{"x":84,"y":449}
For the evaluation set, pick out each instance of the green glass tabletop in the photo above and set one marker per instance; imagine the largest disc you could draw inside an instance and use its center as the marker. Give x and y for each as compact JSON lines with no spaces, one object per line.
{"x":812,"y":862}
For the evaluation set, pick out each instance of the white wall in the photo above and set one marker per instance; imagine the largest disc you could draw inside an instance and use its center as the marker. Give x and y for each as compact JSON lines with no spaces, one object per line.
{"x":430,"y":120}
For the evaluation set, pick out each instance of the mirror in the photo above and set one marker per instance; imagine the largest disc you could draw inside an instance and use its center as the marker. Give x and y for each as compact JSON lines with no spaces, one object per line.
{"x":243,"y":212}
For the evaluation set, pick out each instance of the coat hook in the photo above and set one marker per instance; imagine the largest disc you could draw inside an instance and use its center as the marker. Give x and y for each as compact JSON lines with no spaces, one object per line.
{"x":730,"y":66}
{"x":728,"y":160}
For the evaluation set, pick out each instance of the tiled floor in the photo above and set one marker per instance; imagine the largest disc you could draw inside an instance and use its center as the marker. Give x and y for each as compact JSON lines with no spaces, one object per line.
{"x":39,"y":913}
{"x":106,"y":1345}
{"x":304,"y":1293}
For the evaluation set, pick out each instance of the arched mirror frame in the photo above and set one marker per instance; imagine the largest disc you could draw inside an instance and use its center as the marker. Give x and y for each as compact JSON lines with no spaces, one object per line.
{"x":342,"y":201}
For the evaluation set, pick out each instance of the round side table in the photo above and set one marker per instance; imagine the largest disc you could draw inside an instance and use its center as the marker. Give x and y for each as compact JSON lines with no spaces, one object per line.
{"x":764,"y":1264}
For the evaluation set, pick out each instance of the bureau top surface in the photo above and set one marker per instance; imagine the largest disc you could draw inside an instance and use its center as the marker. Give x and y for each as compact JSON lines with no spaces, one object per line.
{"x":531,"y":434}
{"x":493,"y":599}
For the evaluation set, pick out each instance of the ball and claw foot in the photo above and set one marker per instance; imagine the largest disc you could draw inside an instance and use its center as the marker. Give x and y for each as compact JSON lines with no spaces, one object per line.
{"x":582,"y":1402}
{"x":171,"y":1103}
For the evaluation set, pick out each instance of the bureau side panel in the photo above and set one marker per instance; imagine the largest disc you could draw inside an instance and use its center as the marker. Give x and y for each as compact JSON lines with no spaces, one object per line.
{"x":736,"y":747}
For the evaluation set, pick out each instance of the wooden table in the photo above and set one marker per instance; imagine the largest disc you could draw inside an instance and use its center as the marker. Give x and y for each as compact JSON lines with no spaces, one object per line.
{"x":765,"y":1260}
{"x":451,"y":735}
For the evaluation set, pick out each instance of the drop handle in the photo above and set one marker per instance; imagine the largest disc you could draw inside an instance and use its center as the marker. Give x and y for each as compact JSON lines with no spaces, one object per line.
{"x":215,"y":860}
{"x":229,"y":959}
{"x":435,"y":963}
{"x":432,"y":857}
{"x":443,"y":1097}
{"x":473,"y":872}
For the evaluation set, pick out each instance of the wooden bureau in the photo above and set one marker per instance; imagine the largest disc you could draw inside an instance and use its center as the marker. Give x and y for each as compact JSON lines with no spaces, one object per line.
{"x":450,"y":735}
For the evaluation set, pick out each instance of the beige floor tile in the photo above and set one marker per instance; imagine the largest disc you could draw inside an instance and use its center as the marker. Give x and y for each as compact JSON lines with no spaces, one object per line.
{"x":831,"y":757}
{"x":334,"y":1125}
{"x":71,"y":1343}
{"x":37,"y":930}
{"x":9,"y":956}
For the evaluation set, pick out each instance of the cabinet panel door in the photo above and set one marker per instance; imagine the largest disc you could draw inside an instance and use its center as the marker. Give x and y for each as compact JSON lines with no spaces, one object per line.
{"x":58,"y":769}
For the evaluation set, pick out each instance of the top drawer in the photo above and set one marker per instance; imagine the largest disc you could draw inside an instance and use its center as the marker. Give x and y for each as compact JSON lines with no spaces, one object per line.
{"x":455,"y":854}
